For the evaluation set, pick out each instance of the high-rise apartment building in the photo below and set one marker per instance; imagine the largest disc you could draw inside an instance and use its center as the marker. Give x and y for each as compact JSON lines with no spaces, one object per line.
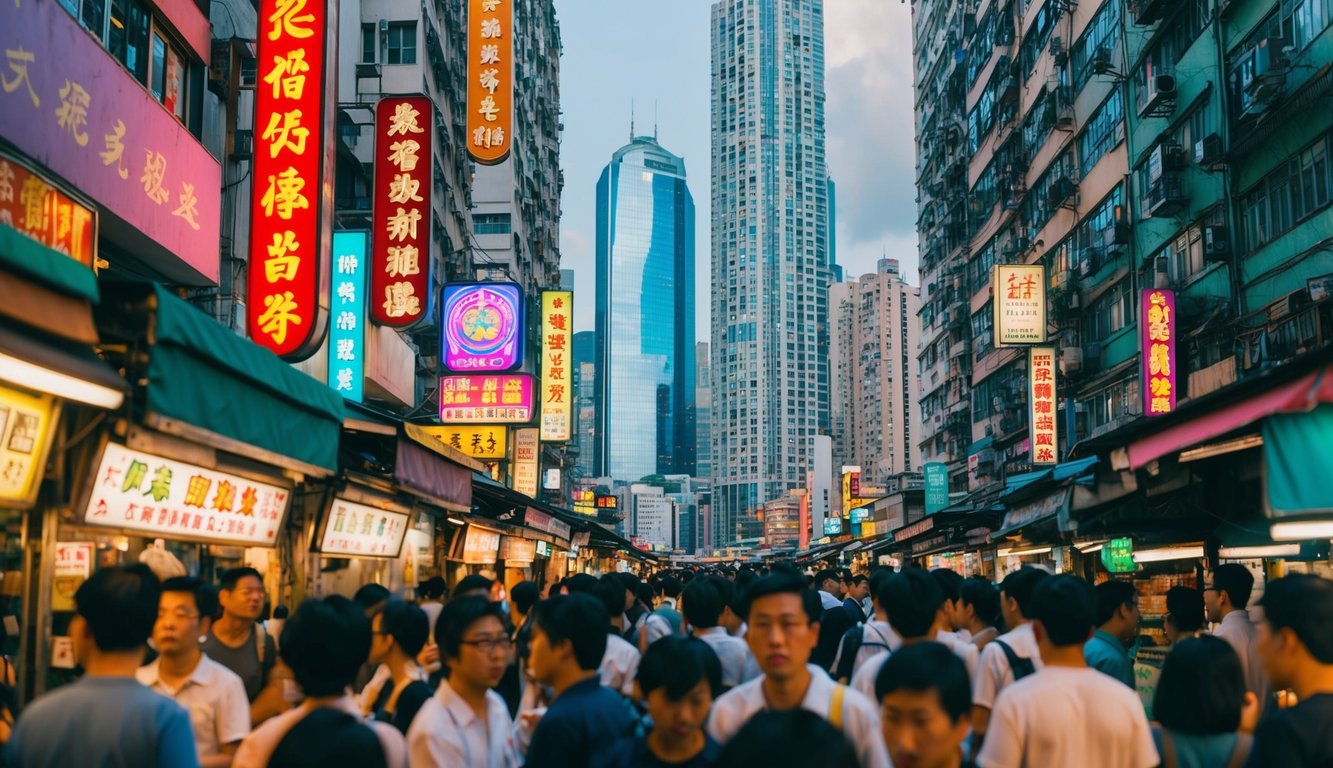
{"x":703,"y":412}
{"x":585,"y":402}
{"x":644,"y":366}
{"x":770,"y":239}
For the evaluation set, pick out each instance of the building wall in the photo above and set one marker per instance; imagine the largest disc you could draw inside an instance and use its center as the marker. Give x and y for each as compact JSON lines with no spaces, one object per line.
{"x":653,"y":515}
{"x":703,"y":411}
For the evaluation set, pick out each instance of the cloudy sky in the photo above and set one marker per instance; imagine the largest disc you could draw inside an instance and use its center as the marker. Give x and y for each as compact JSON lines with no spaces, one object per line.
{"x":655,"y":53}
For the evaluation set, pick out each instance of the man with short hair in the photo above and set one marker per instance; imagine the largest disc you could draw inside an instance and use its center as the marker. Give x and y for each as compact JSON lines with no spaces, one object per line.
{"x":861,"y":644}
{"x":677,"y":680}
{"x":1184,"y":614}
{"x":1010,"y":656}
{"x":620,"y":663}
{"x":106,"y":717}
{"x":1066,"y":714}
{"x":1225,"y":597}
{"x":473,"y":584}
{"x":666,"y":618}
{"x":925,"y":701}
{"x":430,"y":596}
{"x":1117,"y":627}
{"x":702,"y":604}
{"x":833,"y":622}
{"x":212,"y":694}
{"x":979,"y":609}
{"x":237,"y":642}
{"x":856,"y":587}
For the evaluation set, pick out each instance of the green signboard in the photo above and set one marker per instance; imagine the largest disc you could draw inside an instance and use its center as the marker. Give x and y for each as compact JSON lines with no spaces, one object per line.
{"x":1118,"y":556}
{"x":937,"y":487}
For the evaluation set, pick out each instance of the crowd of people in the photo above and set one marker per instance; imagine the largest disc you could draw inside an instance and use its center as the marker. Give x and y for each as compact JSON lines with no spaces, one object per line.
{"x":732,"y":668}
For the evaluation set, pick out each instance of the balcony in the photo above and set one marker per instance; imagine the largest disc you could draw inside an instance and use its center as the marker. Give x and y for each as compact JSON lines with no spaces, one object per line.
{"x":1165,"y":196}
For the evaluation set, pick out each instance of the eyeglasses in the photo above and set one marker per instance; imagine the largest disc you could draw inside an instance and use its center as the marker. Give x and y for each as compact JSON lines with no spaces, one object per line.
{"x":490,"y":644}
{"x":180,"y":613}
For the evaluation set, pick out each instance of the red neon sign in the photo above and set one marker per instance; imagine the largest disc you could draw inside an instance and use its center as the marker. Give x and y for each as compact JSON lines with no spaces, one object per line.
{"x":400,"y":259}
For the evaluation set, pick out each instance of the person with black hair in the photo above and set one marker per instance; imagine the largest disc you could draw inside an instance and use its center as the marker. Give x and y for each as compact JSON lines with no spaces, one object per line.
{"x":371,"y":597}
{"x":212,"y":694}
{"x":620,"y":663}
{"x":955,"y":633}
{"x":925,"y":700}
{"x":586,"y":720}
{"x":238,"y":642}
{"x":324,"y":644}
{"x":730,"y":618}
{"x":473,"y":584}
{"x":856,"y":587}
{"x":784,"y":626}
{"x":430,"y":596}
{"x":979,"y":609}
{"x":399,"y":632}
{"x":702,"y":603}
{"x":1201,"y":705}
{"x":466,"y":724}
{"x":677,"y":680}
{"x":861,"y":644}
{"x":666,"y":618}
{"x":1295,"y":645}
{"x":1011,"y":656}
{"x":1066,"y":714}
{"x":106,"y":717}
{"x":793,"y":737}
{"x":1117,"y":628}
{"x":1184,"y":614}
{"x":1225,"y":596}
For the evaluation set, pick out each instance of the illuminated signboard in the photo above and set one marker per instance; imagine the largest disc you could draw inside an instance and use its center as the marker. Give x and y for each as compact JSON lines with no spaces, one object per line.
{"x":291,"y":172}
{"x":608,"y":502}
{"x":488,"y":441}
{"x":481,"y":327}
{"x":1158,"y":326}
{"x":347,"y":315}
{"x":1019,"y":304}
{"x":25,"y":436}
{"x":860,"y":515}
{"x":359,"y":530}
{"x":480,"y":546}
{"x":38,"y":209}
{"x":1042,"y":398}
{"x":490,"y":79}
{"x":506,"y":399}
{"x":937,"y":487}
{"x":161,"y":497}
{"x":400,"y":259}
{"x":832,"y":526}
{"x":525,"y":463}
{"x":557,"y":368}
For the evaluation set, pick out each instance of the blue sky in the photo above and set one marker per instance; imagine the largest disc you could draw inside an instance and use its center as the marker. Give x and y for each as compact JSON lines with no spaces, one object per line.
{"x":656,"y":52}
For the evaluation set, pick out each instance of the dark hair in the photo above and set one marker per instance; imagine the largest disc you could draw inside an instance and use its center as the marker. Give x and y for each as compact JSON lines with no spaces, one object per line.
{"x":1020,"y":585}
{"x":858,"y":578}
{"x":581,"y":582}
{"x":911,"y":599}
{"x":669,"y":586}
{"x":983,"y":597}
{"x":1236,"y":580}
{"x":926,"y":666}
{"x":877,"y":578}
{"x":371,"y":597}
{"x":120,"y":606}
{"x":1065,"y":607}
{"x":783,"y":584}
{"x":280,"y":612}
{"x":1303,"y":603}
{"x":473,"y":583}
{"x":701,"y":603}
{"x":1110,"y":596}
{"x":790,"y":737}
{"x":828,"y":574}
{"x":325,"y":642}
{"x":612,"y":595}
{"x":579,"y":618}
{"x":433,"y":588}
{"x":232,"y":576}
{"x":455,"y":618}
{"x":727,"y":591}
{"x":1185,"y":605}
{"x":744,"y":579}
{"x":950,"y":583}
{"x":1201,"y":689}
{"x":677,"y":664}
{"x":407,"y":624}
{"x":646,"y":593}
{"x":525,"y":595}
{"x":205,"y":596}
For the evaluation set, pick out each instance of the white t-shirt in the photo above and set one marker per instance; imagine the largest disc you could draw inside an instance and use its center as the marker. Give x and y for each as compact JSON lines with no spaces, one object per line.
{"x":215,"y":698}
{"x":1067,"y":716}
{"x":738,"y":664}
{"x":993,"y":672}
{"x":447,"y":732}
{"x":620,"y":664}
{"x":865,"y":677}
{"x":875,"y":635}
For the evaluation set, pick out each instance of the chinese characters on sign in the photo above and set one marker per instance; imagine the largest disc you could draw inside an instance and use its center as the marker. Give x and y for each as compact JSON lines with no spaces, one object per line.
{"x":490,"y":79}
{"x":524,"y":466}
{"x":25,"y":427}
{"x":481,"y":442}
{"x":161,"y":497}
{"x":347,"y":315}
{"x":937,"y":487}
{"x":1158,"y":325}
{"x":480,"y":546}
{"x":557,"y":364}
{"x":1042,"y":396}
{"x":41,"y":211}
{"x":73,"y":566}
{"x":289,"y":202}
{"x":358,"y":530}
{"x":482,"y":327}
{"x":1019,"y":303}
{"x":486,"y":399}
{"x":400,"y":269}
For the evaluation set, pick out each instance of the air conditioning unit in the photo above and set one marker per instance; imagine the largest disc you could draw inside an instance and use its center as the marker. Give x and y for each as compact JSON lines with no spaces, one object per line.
{"x":1208,"y":150}
{"x":1100,"y":63}
{"x":1159,"y":96}
{"x":1058,"y":51}
{"x":1216,"y":246}
{"x":1071,"y":360}
{"x":1073,"y":302}
{"x":1173,"y":156}
{"x":1061,"y":189}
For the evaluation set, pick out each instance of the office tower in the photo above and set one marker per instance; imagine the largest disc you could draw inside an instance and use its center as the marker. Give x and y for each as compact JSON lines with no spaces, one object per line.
{"x":703,"y":412}
{"x":585,"y":403}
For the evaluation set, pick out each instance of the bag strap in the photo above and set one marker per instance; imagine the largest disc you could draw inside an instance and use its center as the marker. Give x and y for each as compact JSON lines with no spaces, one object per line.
{"x":1168,"y":747}
{"x":1241,"y":752}
{"x":1013,"y":658}
{"x":835,"y":706}
{"x":260,"y":641}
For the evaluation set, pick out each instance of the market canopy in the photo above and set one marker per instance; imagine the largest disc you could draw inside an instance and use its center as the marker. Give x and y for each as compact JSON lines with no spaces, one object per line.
{"x":1296,"y":462}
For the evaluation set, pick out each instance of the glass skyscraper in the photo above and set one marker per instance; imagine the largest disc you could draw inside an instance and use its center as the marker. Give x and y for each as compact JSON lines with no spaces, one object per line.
{"x":644,"y":367}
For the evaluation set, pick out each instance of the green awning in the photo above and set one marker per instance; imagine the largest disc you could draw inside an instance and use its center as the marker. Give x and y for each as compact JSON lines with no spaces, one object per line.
{"x":1296,"y":451}
{"x":201,"y":373}
{"x":22,"y":255}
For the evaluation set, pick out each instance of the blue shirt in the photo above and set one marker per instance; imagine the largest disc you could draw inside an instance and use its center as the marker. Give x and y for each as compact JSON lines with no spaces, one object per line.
{"x":106,"y":722}
{"x":1105,"y":653}
{"x":583,"y":728}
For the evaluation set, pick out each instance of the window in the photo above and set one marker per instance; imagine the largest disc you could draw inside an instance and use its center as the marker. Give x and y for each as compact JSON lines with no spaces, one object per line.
{"x":1108,"y":314}
{"x":400,"y":43}
{"x":1103,"y":132}
{"x":368,"y":44}
{"x":1297,"y":188}
{"x":491,"y":224}
{"x":1100,"y":33}
{"x":127,"y":37}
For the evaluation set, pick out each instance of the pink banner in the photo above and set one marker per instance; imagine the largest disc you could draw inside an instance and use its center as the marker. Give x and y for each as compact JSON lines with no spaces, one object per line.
{"x":503,"y":399}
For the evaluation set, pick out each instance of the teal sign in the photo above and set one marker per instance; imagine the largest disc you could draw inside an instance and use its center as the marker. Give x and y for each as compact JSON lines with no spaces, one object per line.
{"x":937,"y":487}
{"x":1118,"y":556}
{"x":347,"y":315}
{"x":860,"y":515}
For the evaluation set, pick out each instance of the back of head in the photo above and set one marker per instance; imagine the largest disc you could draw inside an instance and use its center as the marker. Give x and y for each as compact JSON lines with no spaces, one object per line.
{"x":701,"y":603}
{"x":1201,"y":688}
{"x":281,"y":612}
{"x":407,"y":624}
{"x":780,"y":583}
{"x":794,"y":737}
{"x":826,"y":575}
{"x":455,"y":618}
{"x":473,"y":583}
{"x":612,"y":595}
{"x":371,"y":597}
{"x":1065,"y":606}
{"x":1185,"y":606}
{"x":433,"y":588}
{"x":581,"y":582}
{"x":525,"y":595}
{"x":676,"y":665}
{"x":670,"y":587}
{"x":949,"y":581}
{"x":911,"y":599}
{"x":925,"y":666}
{"x":1236,"y":581}
{"x":325,"y":642}
{"x":1111,"y":595}
{"x":727,"y":591}
{"x":1020,"y":585}
{"x":579,"y":618}
{"x":983,"y":597}
{"x":120,"y":606}
{"x":1302,"y":603}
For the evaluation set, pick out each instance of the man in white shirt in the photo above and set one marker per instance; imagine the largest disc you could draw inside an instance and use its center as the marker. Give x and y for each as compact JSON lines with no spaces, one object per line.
{"x":916,"y":607}
{"x":1225,"y":596}
{"x":1067,"y":713}
{"x":877,"y":636}
{"x":212,"y":694}
{"x":701,"y":602}
{"x":784,"y":627}
{"x":995,"y":669}
{"x":620,"y":663}
{"x":665,"y":619}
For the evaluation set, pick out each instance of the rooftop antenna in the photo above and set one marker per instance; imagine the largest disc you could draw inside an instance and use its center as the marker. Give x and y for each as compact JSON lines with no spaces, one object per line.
{"x":631,"y":119}
{"x":654,"y":119}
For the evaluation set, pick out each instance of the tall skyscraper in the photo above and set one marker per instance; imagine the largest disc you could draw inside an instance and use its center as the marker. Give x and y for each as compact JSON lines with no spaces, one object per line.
{"x":703,"y":412}
{"x":770,"y":238}
{"x":585,"y":404}
{"x":645,"y":315}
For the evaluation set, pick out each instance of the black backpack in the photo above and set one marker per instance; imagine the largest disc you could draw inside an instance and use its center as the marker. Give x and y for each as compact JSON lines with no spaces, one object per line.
{"x":329,"y":738}
{"x":853,"y":640}
{"x":1021,"y":665}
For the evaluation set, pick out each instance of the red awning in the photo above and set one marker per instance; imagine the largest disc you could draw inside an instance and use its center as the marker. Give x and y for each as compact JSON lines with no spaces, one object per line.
{"x":1300,"y":395}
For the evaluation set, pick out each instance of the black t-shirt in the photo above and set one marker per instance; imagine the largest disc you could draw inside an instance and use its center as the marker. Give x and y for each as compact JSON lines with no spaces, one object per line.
{"x":1299,"y":737}
{"x":405,"y":709}
{"x":636,"y":754}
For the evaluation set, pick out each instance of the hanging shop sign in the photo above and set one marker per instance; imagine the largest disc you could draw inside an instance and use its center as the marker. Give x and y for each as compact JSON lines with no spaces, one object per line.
{"x":35,"y":206}
{"x":937,"y":487}
{"x":490,"y":79}
{"x":540,"y":521}
{"x":584,"y":502}
{"x":516,"y":551}
{"x":160,"y":497}
{"x":544,"y":549}
{"x":360,"y":530}
{"x":73,"y":566}
{"x":851,"y":478}
{"x":400,"y":258}
{"x":26,"y":422}
{"x":486,"y":399}
{"x":347,"y":310}
{"x":1019,"y":303}
{"x":1041,"y":397}
{"x":1157,"y":325}
{"x":479,"y":442}
{"x":1118,"y":556}
{"x":292,"y":169}
{"x":525,"y":462}
{"x":557,"y":368}
{"x":832,"y":526}
{"x":861,"y":514}
{"x":481,"y":327}
{"x":480,"y":546}
{"x":924,"y":525}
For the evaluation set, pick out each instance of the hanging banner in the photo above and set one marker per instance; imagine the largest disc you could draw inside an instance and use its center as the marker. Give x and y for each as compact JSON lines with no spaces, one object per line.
{"x":480,"y":442}
{"x":481,"y":327}
{"x":347,"y":310}
{"x":359,"y":530}
{"x":1042,"y":397}
{"x":525,"y":463}
{"x":1157,"y":324}
{"x":937,"y":487}
{"x":504,"y":399}
{"x":1020,"y":304}
{"x":41,"y":210}
{"x":292,"y":174}
{"x":490,"y":79}
{"x":400,"y":258}
{"x":557,"y":371}
{"x":515,"y":551}
{"x":26,"y":422}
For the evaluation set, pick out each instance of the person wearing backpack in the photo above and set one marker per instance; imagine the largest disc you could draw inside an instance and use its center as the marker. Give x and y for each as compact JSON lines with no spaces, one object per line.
{"x":238,"y":641}
{"x":865,"y":641}
{"x":1011,"y":656}
{"x":324,"y":643}
{"x":666,"y":619}
{"x":834,"y":622}
{"x":400,"y":631}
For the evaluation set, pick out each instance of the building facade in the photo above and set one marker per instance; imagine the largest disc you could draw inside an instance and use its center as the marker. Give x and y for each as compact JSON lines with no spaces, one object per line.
{"x":585,"y":404}
{"x":703,"y":412}
{"x":770,"y":241}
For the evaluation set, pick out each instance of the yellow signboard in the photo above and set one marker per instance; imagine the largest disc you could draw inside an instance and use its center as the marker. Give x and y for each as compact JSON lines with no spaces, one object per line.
{"x":1019,"y":304}
{"x":477,"y":441}
{"x":25,"y":435}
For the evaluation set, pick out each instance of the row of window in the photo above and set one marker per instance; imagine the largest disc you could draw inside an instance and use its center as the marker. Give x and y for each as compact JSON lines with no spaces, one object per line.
{"x":1295,"y":190}
{"x":1100,"y":33}
{"x":398,"y":43}
{"x":1103,"y":131}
